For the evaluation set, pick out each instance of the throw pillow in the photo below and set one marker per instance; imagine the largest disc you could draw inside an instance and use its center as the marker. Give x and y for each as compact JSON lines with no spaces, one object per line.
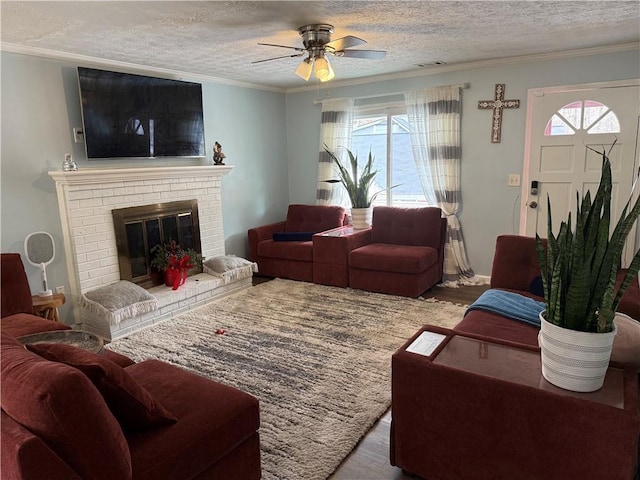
{"x":536,"y":287}
{"x":133,"y":406}
{"x":293,"y":236}
{"x":59,"y":404}
{"x":626,"y":343}
{"x":229,"y":267}
{"x":119,"y":301}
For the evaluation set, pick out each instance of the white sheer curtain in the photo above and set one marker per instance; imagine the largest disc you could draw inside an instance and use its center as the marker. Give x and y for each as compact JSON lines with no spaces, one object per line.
{"x":335,"y":133}
{"x":434,"y":121}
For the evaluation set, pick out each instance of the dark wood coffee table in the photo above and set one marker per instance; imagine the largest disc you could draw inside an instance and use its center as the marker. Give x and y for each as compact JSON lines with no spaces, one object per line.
{"x":77,"y":338}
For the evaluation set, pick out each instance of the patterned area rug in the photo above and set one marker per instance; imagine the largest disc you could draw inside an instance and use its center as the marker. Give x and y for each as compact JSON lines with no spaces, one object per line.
{"x":318,"y":358}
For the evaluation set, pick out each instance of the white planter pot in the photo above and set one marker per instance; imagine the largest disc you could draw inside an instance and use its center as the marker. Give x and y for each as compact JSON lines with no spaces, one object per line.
{"x":361,"y":217}
{"x":574,"y":360}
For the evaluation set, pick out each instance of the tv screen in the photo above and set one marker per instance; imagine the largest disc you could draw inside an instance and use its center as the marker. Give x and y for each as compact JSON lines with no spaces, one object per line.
{"x":127,"y":115}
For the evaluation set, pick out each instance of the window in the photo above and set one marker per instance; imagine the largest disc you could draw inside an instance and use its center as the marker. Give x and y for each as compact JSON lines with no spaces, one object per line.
{"x":385,"y":132}
{"x":591,"y":116}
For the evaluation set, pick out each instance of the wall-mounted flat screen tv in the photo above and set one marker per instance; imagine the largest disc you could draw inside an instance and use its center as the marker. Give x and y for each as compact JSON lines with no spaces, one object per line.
{"x":127,"y":115}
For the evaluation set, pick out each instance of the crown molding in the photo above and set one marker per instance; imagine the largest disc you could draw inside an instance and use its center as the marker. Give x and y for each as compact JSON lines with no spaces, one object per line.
{"x":496,"y":62}
{"x":419,"y":72}
{"x":130,"y":67}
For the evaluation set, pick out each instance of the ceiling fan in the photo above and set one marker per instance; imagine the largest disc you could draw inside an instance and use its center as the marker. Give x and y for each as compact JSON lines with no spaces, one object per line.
{"x":317,"y":42}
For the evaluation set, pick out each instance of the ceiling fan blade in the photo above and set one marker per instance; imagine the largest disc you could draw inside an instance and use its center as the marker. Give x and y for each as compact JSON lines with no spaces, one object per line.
{"x":283,"y":56}
{"x":345,"y":42}
{"x":369,"y":54}
{"x":283,"y":46}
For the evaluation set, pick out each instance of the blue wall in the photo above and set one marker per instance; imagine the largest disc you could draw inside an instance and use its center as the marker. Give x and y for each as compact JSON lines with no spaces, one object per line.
{"x":489,"y":207}
{"x":40,"y":107}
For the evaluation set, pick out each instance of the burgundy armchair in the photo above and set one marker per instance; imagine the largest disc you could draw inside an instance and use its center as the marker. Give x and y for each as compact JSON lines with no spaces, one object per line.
{"x":404,"y":254}
{"x":290,"y":255}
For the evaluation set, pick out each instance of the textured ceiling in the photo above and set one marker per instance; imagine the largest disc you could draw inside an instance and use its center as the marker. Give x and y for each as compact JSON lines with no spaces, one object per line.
{"x":219,"y":39}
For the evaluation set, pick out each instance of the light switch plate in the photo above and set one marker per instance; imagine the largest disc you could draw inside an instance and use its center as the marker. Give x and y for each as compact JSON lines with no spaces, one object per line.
{"x":78,"y":135}
{"x":513,"y":180}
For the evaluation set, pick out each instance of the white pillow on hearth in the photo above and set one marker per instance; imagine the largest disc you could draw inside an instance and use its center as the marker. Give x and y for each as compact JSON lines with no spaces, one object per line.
{"x":229,"y":267}
{"x":118,"y":301}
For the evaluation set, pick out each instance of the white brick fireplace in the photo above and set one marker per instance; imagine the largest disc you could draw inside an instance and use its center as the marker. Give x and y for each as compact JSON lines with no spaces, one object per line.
{"x":87,"y":197}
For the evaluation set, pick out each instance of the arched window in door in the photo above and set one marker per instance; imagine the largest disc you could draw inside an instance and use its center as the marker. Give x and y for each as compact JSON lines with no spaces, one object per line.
{"x":587,"y":115}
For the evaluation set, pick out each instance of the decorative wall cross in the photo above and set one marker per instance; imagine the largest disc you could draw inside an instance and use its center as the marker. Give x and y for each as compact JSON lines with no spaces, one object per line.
{"x":497,"y":104}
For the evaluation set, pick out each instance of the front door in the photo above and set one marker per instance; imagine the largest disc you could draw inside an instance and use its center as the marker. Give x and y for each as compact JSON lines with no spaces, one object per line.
{"x":563,"y":126}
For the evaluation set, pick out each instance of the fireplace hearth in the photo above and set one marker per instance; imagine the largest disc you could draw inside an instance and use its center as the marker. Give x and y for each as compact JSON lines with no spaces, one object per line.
{"x":139,"y":229}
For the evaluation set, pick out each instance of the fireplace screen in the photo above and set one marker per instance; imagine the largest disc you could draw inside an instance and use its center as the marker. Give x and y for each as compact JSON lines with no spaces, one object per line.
{"x":139,"y":229}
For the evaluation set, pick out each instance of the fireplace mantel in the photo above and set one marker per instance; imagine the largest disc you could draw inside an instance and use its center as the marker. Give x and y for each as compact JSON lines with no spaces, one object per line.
{"x":102,"y":175}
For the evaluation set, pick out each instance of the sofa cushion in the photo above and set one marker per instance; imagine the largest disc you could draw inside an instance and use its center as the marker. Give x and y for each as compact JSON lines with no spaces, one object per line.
{"x":298,"y":251}
{"x":21,"y":324}
{"x":515,"y":263}
{"x":213,"y":419}
{"x":61,"y":406}
{"x":478,"y":322}
{"x":406,"y":226}
{"x":393,"y":258}
{"x":16,"y":294}
{"x":25,"y":456}
{"x":132,"y":405}
{"x":313,"y":218}
{"x":117,"y":358}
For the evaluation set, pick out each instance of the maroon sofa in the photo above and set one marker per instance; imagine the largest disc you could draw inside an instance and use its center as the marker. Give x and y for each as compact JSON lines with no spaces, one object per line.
{"x":285,"y":249}
{"x":71,"y":414}
{"x":450,"y":423}
{"x":515,"y":266}
{"x":402,"y":253}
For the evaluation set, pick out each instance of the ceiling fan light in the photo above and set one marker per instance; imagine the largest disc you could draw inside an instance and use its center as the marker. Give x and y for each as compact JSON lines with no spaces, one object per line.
{"x":304,"y":69}
{"x":322,"y":69}
{"x":331,"y":74}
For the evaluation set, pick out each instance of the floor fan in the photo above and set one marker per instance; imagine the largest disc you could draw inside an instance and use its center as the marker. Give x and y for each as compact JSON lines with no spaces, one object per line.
{"x":40,"y":251}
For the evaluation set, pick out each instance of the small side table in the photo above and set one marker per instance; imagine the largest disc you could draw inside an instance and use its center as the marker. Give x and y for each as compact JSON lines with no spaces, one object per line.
{"x":480,"y":408}
{"x":76,"y":338}
{"x":47,"y":307}
{"x":331,"y":254}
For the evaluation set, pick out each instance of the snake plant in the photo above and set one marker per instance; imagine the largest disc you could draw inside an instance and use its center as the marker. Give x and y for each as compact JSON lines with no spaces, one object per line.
{"x":579,"y":267}
{"x":357,"y":186}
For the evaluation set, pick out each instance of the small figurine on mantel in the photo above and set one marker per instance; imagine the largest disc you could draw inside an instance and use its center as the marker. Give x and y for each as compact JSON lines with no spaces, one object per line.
{"x":69,"y":165}
{"x":218,"y":156}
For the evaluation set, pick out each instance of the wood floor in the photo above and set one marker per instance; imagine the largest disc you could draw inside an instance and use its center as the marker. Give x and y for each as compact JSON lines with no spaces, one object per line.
{"x":370,"y":459}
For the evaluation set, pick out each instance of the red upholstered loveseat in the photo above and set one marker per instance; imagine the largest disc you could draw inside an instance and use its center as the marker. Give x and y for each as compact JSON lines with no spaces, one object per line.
{"x":402,"y":253}
{"x":291,"y":255}
{"x":463,"y":429}
{"x":515,"y":266}
{"x":107,"y":417}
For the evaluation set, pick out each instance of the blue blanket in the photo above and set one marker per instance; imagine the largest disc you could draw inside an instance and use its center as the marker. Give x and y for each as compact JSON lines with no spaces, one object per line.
{"x":510,"y":305}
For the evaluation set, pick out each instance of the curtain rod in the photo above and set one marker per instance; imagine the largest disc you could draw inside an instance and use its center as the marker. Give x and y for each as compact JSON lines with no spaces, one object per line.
{"x":461,"y":85}
{"x":465,"y":85}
